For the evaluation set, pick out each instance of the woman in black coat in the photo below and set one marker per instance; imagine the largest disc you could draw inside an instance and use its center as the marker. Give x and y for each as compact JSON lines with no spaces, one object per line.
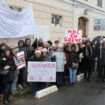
{"x":100,"y":54}
{"x":7,"y":63}
{"x":88,"y":60}
{"x":2,"y":48}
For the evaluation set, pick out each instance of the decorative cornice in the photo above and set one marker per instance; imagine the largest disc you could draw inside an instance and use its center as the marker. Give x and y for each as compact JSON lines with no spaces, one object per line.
{"x":85,"y":6}
{"x":42,"y":2}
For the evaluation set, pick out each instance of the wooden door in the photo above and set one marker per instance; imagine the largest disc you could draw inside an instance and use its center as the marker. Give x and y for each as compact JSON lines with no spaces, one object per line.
{"x":82,"y":26}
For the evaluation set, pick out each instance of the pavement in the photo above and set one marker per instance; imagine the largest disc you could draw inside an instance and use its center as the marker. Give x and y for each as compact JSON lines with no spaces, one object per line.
{"x":84,"y":93}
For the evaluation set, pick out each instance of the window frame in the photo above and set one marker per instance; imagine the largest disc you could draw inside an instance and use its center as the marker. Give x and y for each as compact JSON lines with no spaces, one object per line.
{"x":100,"y":3}
{"x":56,"y":16}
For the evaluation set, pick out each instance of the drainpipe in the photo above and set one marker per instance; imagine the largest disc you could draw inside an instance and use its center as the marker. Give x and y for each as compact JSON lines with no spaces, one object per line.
{"x":73,"y":13}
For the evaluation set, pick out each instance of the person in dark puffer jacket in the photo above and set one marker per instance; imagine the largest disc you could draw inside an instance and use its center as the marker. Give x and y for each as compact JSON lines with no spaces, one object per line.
{"x":29,"y":49}
{"x":22,"y":72}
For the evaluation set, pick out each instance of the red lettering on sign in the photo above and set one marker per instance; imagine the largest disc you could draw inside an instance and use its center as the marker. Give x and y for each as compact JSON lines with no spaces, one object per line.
{"x":20,"y":56}
{"x":31,"y":78}
{"x":21,"y":63}
{"x":70,"y":31}
{"x":50,"y":77}
{"x":40,"y":77}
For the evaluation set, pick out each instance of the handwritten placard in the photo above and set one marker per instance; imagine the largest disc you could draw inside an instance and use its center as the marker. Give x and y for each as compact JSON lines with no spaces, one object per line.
{"x":41,"y":72}
{"x":73,"y":36}
{"x":20,"y":60}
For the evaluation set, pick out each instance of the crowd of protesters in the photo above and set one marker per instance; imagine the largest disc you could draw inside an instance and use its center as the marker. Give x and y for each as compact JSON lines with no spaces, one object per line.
{"x":71,"y":60}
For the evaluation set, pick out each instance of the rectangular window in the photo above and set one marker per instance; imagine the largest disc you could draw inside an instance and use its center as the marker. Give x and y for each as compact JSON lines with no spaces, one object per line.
{"x":99,"y":3}
{"x":56,"y":20}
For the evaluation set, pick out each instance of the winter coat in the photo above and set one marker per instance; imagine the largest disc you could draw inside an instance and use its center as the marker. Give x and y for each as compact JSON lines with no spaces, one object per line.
{"x":60,"y":60}
{"x":29,"y":52}
{"x":11,"y":75}
{"x":47,"y":58}
{"x":67,"y":59}
{"x":34,"y":58}
{"x":22,"y":49}
{"x":101,"y":59}
{"x":88,"y":54}
{"x":73,"y":58}
{"x":1,"y":53}
{"x":36,"y":44}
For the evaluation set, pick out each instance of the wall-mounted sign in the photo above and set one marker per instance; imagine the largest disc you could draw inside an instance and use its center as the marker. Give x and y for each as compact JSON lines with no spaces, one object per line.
{"x":99,"y":25}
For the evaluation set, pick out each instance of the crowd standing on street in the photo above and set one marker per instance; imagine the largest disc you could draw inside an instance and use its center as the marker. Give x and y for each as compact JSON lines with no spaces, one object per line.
{"x":71,"y":60}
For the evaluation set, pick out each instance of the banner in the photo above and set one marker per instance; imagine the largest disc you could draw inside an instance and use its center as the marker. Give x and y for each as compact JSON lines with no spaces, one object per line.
{"x":73,"y":36}
{"x":20,"y":60}
{"x":43,"y":31}
{"x":14,"y":24}
{"x":41,"y":72}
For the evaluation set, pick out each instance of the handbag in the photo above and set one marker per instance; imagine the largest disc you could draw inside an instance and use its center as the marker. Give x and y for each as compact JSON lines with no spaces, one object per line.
{"x":4,"y":72}
{"x":75,"y":65}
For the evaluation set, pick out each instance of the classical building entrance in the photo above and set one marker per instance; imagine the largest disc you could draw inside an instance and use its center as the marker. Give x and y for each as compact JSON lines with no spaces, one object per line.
{"x":82,"y":25}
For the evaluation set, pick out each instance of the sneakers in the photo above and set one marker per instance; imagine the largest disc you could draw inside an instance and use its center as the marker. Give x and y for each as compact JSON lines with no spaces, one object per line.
{"x":20,"y":87}
{"x":14,"y":92}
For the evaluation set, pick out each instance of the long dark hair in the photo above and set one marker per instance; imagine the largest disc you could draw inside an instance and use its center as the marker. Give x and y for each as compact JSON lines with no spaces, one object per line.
{"x":2,"y":44}
{"x":73,"y":46}
{"x":10,"y":56}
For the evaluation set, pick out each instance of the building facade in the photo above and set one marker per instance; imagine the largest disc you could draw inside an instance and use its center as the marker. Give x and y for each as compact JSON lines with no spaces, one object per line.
{"x":87,"y":15}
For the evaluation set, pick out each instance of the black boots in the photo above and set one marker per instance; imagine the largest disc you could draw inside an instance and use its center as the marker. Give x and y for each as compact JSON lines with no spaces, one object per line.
{"x":6,"y":100}
{"x":72,"y":84}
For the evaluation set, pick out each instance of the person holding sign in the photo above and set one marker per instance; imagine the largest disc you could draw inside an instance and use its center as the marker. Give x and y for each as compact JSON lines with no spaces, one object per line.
{"x":21,"y":59}
{"x":73,"y":63}
{"x":36,"y":58}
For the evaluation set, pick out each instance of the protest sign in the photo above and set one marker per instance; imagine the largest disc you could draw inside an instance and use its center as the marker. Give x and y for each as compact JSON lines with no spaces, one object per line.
{"x":73,"y":36}
{"x":21,"y":60}
{"x":41,"y":72}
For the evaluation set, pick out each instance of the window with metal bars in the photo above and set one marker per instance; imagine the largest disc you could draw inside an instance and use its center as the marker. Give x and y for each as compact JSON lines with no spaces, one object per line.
{"x":99,"y":3}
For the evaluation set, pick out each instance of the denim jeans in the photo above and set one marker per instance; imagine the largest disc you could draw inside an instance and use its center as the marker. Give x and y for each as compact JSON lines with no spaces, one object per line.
{"x":14,"y":84}
{"x":72,"y":75}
